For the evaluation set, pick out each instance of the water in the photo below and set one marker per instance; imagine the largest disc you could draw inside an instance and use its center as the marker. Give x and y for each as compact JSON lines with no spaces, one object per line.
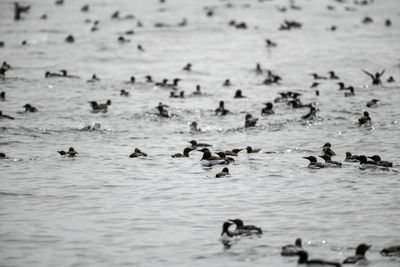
{"x":106,"y":209}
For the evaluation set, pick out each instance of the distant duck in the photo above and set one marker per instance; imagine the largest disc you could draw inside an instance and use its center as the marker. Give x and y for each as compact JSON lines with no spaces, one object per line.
{"x":194,"y":128}
{"x":233,"y":152}
{"x":342,"y":86}
{"x":64,"y":74}
{"x":30,"y":108}
{"x":367,"y":20}
{"x":70,"y":153}
{"x":317,"y":77}
{"x":49,"y":74}
{"x":132,"y":80}
{"x":185,"y":153}
{"x":372,"y":103}
{"x":391,"y":251}
{"x":238,"y":94}
{"x":267,"y":110}
{"x":100,"y":107}
{"x":123,"y":92}
{"x":188,"y":67}
{"x":251,"y":150}
{"x":330,"y":163}
{"x":291,"y":250}
{"x":223,"y":173}
{"x":365,"y":119}
{"x":221,"y":109}
{"x":390,"y":80}
{"x":85,"y":8}
{"x":351,"y":158}
{"x":140,"y":48}
{"x":303,"y":259}
{"x":198,"y":91}
{"x":359,"y":258}
{"x":376,"y":79}
{"x":122,"y":40}
{"x":367,"y":164}
{"x":137,"y":154}
{"x":4,"y":116}
{"x":3,"y":96}
{"x":380,"y":162}
{"x":326,"y":149}
{"x":314,"y":85}
{"x":250,"y":121}
{"x":270,"y":43}
{"x":313,"y":163}
{"x":162,"y":110}
{"x":227,"y":83}
{"x":173,"y":95}
{"x":3,"y":155}
{"x":388,"y":23}
{"x":247,"y":230}
{"x":332,"y":75}
{"x":93,"y":79}
{"x":149,"y":79}
{"x":311,"y":115}
{"x":195,"y":144}
{"x":70,"y":39}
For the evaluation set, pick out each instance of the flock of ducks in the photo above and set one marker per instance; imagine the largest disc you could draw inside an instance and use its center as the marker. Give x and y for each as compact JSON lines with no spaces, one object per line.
{"x":226,"y":157}
{"x":228,"y":235}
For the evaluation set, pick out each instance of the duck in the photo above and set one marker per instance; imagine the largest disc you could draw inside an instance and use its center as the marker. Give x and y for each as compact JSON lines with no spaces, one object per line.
{"x":270,"y":43}
{"x":208,"y":160}
{"x":3,"y":155}
{"x":195,"y":144}
{"x":70,"y":39}
{"x":194,"y":128}
{"x":351,"y":93}
{"x":326,"y":149}
{"x":137,"y":153}
{"x":132,"y":80}
{"x":246,"y":230}
{"x":376,"y":79}
{"x":303,"y":259}
{"x":234,"y":152}
{"x":380,"y":162}
{"x":93,"y":79}
{"x":313,"y":163}
{"x":18,"y":10}
{"x":267,"y":110}
{"x":221,"y":109}
{"x":238,"y":94}
{"x":226,"y":231}
{"x":223,"y":173}
{"x":30,"y":108}
{"x":223,"y":155}
{"x":360,"y":255}
{"x":123,"y":92}
{"x":365,"y":119}
{"x":250,"y":121}
{"x":366,"y":164}
{"x":64,"y":73}
{"x":3,"y":96}
{"x":332,"y":75}
{"x":314,"y":85}
{"x":391,"y":251}
{"x":162,"y":110}
{"x":70,"y":153}
{"x":227,"y":82}
{"x":311,"y":115}
{"x":372,"y":103}
{"x":291,"y":250}
{"x":188,"y":67}
{"x":342,"y":86}
{"x":251,"y":150}
{"x":317,"y":77}
{"x":351,"y":158}
{"x":100,"y":107}
{"x":197,"y":92}
{"x":185,"y":154}
{"x":329,"y":162}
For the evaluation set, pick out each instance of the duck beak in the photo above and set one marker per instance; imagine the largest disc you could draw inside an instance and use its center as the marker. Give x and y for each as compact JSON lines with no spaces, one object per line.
{"x":305,"y":158}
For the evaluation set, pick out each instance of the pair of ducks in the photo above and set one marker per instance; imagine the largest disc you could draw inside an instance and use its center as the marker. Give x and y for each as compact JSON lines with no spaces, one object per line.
{"x":96,"y":107}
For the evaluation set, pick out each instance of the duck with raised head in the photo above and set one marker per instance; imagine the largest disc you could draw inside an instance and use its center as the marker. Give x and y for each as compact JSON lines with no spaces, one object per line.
{"x":332,"y":75}
{"x":365,"y":119}
{"x":238,"y":94}
{"x":209,"y":160}
{"x":311,"y":115}
{"x":351,"y":158}
{"x":18,"y":10}
{"x":123,"y":92}
{"x":221,"y":109}
{"x":350,"y":93}
{"x":30,"y":108}
{"x":70,"y":153}
{"x":162,"y":110}
{"x":246,"y":229}
{"x":185,"y":153}
{"x":326,"y":149}
{"x":380,"y":162}
{"x":291,"y":250}
{"x":195,"y":144}
{"x":137,"y":153}
{"x":93,"y":79}
{"x":267,"y":110}
{"x":250,"y":121}
{"x":194,"y":128}
{"x":329,"y":162}
{"x":313,"y":163}
{"x":359,"y":258}
{"x":227,"y":82}
{"x":303,"y":259}
{"x":188,"y":67}
{"x":198,"y":91}
{"x":223,"y":173}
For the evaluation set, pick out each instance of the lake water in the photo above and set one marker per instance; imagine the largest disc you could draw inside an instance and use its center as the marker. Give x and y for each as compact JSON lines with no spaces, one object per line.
{"x":106,"y":209}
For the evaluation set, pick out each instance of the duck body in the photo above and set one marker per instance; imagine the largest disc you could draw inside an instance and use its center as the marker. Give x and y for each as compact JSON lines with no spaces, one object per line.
{"x":291,"y":249}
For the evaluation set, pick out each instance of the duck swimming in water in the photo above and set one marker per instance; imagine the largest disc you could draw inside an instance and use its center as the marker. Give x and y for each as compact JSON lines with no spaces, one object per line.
{"x":188,"y":67}
{"x":391,"y":251}
{"x":221,"y":109}
{"x":376,"y":79}
{"x":30,"y":108}
{"x":93,"y":79}
{"x":372,"y":103}
{"x":137,"y":154}
{"x":100,"y":107}
{"x":360,"y":255}
{"x":250,"y":150}
{"x":267,"y":110}
{"x":247,"y":230}
{"x":123,"y":92}
{"x":227,"y":83}
{"x":162,"y":110}
{"x":195,"y":144}
{"x":313,"y":163}
{"x":332,"y":75}
{"x":291,"y":250}
{"x":226,"y":231}
{"x":223,"y":173}
{"x":311,"y":115}
{"x":380,"y":162}
{"x":326,"y":149}
{"x":351,"y":158}
{"x":250,"y":121}
{"x":365,"y":119}
{"x":238,"y":94}
{"x":303,"y":259}
{"x":194,"y":128}
{"x":330,"y":163}
{"x":208,"y":160}
{"x":70,"y":153}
